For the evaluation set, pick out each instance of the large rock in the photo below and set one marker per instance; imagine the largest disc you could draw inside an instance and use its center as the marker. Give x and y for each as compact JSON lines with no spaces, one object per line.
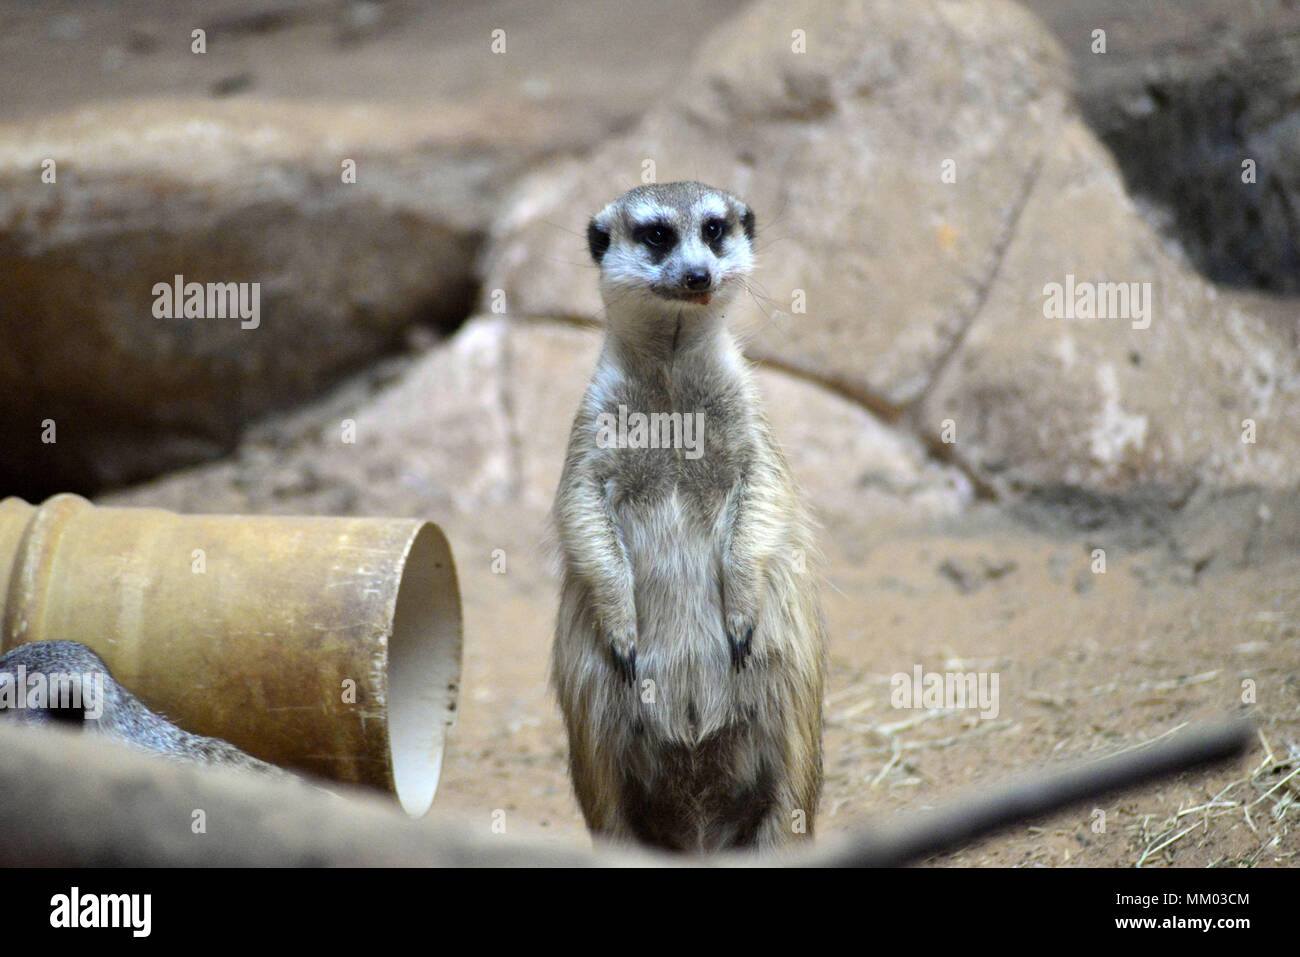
{"x":840,"y":152}
{"x":1113,"y":403}
{"x":229,"y":192}
{"x":925,"y":299}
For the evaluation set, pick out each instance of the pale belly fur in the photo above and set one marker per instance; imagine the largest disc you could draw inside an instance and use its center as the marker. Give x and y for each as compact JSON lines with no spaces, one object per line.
{"x":682,"y":644}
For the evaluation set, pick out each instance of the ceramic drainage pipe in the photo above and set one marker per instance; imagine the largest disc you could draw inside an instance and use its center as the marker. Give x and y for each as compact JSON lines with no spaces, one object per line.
{"x":330,"y":645}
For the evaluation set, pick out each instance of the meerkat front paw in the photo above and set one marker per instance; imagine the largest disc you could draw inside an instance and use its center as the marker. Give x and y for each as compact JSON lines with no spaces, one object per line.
{"x":622,"y":654}
{"x":740,"y":638}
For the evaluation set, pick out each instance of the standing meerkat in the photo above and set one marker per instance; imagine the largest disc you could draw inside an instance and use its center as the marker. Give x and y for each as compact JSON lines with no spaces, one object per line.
{"x":690,"y":647}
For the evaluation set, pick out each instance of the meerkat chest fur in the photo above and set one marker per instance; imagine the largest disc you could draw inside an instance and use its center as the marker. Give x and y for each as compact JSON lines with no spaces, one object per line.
{"x":681,"y":429}
{"x":689,"y":648}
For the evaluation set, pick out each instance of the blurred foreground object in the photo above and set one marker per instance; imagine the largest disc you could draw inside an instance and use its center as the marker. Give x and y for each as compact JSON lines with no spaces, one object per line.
{"x":60,"y":810}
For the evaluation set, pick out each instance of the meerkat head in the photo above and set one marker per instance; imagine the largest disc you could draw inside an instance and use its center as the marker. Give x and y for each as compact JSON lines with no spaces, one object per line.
{"x":672,"y":248}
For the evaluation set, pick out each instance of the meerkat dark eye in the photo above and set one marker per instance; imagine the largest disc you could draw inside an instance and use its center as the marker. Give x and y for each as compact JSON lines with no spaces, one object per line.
{"x":657,"y":236}
{"x":597,"y":240}
{"x":714,"y":231}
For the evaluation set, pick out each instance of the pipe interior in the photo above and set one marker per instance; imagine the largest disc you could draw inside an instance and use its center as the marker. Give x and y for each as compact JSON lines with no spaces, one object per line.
{"x":424,"y":654}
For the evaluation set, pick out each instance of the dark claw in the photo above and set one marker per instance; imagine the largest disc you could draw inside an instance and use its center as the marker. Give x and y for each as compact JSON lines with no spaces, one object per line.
{"x":624,"y":665}
{"x":740,"y":649}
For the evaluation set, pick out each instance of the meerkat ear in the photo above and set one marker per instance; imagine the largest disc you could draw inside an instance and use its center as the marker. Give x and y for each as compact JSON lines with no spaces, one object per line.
{"x":747,"y":223}
{"x":597,"y":240}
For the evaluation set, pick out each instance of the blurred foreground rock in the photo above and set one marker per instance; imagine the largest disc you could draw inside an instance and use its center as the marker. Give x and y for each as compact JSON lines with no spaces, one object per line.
{"x":67,"y":807}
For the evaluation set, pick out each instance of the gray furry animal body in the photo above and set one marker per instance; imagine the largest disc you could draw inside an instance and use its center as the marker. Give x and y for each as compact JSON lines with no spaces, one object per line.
{"x":121,"y":715}
{"x":690,"y":647}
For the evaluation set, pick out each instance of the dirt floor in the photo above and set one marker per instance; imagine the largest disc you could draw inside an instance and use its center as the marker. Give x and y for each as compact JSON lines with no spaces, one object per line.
{"x":1108,"y":622}
{"x":1088,"y":663}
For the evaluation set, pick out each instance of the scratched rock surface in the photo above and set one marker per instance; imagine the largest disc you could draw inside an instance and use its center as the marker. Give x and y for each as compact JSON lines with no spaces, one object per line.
{"x":1161,"y":395}
{"x":834,"y":121}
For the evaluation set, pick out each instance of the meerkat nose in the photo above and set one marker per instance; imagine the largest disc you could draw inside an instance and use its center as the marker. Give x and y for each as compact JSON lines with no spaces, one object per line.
{"x":697,"y":279}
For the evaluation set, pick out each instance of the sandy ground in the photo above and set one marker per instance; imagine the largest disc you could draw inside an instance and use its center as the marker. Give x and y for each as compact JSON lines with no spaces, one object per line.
{"x":1196,"y":611}
{"x":1087,"y":663}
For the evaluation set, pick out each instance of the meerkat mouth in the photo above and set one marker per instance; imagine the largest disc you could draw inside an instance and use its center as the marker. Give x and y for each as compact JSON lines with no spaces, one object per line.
{"x":676,"y":295}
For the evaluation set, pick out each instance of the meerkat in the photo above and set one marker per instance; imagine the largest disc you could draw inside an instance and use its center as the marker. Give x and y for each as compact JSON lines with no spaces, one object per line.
{"x":690,"y":646}
{"x":102,"y":706}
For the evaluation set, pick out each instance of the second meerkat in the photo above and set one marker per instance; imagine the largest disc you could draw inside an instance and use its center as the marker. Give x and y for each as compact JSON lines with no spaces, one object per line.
{"x":690,"y":648}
